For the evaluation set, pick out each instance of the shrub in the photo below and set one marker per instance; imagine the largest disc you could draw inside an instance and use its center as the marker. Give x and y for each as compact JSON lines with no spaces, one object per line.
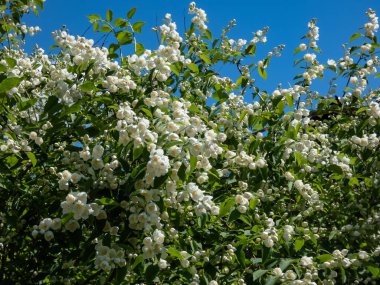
{"x":152,"y":168}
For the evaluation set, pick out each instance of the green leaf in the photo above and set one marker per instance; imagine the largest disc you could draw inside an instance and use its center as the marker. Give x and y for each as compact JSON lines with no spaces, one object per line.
{"x":137,"y":27}
{"x":375,"y":271}
{"x":193,"y":67}
{"x":377,"y":75}
{"x":325,"y":257}
{"x":208,"y":34}
{"x":298,"y":244}
{"x":94,"y":17}
{"x":205,"y":58}
{"x":253,"y":203}
{"x":88,"y":87}
{"x":39,"y":3}
{"x":109,"y":15}
{"x":151,"y":272}
{"x":297,"y":50}
{"x":240,"y":255}
{"x":343,"y":276}
{"x":11,"y":62}
{"x":139,"y":49}
{"x":335,"y":169}
{"x":120,"y":275}
{"x":11,"y":160}
{"x":158,"y":181}
{"x":105,"y":29}
{"x":235,"y":214}
{"x":362,"y":109}
{"x":66,"y":217}
{"x":242,"y":115}
{"x":147,"y":112}
{"x":262,"y":72}
{"x":3,"y":68}
{"x":258,"y":273}
{"x":271,"y":280}
{"x":174,"y":253}
{"x":96,"y":26}
{"x":250,"y":50}
{"x":138,"y":260}
{"x":332,"y":234}
{"x":131,"y":13}
{"x":225,"y":207}
{"x":353,"y":181}
{"x":124,"y":37}
{"x":182,"y":172}
{"x":120,"y":23}
{"x":32,"y":158}
{"x":193,"y":163}
{"x":355,"y":36}
{"x":284,"y":264}
{"x":9,"y":83}
{"x":107,"y":201}
{"x":289,"y":100}
{"x":52,"y":105}
{"x":137,"y":152}
{"x":174,"y":68}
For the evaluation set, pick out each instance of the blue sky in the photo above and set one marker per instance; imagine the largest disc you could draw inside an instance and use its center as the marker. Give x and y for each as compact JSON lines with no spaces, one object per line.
{"x":287,"y":21}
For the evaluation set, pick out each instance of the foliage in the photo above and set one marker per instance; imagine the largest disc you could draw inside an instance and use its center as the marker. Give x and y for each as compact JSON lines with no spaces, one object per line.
{"x":152,"y":168}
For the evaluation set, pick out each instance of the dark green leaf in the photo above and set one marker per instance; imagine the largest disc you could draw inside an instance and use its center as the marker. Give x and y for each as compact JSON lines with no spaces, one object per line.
{"x":138,"y":260}
{"x":182,"y":172}
{"x":258,"y":273}
{"x":271,"y":280}
{"x":151,"y":272}
{"x":284,"y":264}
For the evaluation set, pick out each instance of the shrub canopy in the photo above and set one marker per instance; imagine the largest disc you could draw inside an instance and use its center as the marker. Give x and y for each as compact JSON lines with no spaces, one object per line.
{"x":153,"y":168}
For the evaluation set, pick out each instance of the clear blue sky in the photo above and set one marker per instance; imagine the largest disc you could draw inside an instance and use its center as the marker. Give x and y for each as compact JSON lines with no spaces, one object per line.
{"x":287,"y":20}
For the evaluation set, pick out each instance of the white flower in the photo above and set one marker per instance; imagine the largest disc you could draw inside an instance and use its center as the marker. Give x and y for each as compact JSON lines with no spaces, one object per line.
{"x":306,"y":261}
{"x":97,"y":152}
{"x":48,"y":235}
{"x":162,"y":263}
{"x":277,"y":271}
{"x":290,"y":275}
{"x":302,"y":47}
{"x":298,"y":184}
{"x":158,"y":236}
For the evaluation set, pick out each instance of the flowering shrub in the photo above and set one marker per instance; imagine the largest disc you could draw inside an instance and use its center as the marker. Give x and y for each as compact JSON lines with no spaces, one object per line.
{"x":121,"y":169}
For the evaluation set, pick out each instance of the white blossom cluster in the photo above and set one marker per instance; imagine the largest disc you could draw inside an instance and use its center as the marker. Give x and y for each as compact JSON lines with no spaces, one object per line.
{"x":161,"y":166}
{"x":108,"y":258}
{"x":76,"y":203}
